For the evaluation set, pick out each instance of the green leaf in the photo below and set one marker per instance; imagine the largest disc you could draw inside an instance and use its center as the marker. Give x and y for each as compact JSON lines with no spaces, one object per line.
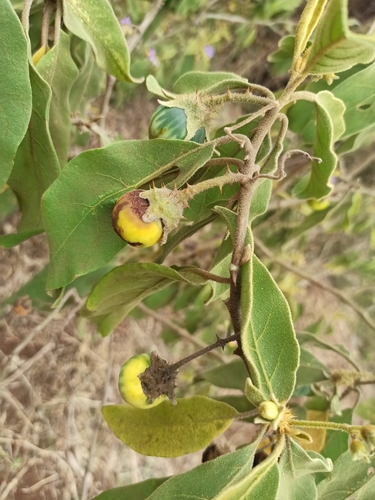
{"x":95,"y":22}
{"x":282,"y":58}
{"x":358,"y":94}
{"x":138,"y":491}
{"x":335,"y":48}
{"x":210,"y":480}
{"x":8,"y":204}
{"x":36,"y":287}
{"x":170,"y":430}
{"x":296,"y":473}
{"x":58,"y":69}
{"x":209,"y":82}
{"x":84,"y":240}
{"x":230,"y":375}
{"x":268,"y":338}
{"x":125,"y":286}
{"x":15,"y":88}
{"x":354,"y":142}
{"x":329,"y":126}
{"x":337,"y":442}
{"x":310,"y":370}
{"x":12,"y":240}
{"x":154,"y":87}
{"x":366,"y":409}
{"x":36,"y":165}
{"x":349,"y":479}
{"x":240,"y":403}
{"x":182,"y":234}
{"x":310,"y":338}
{"x":202,"y":204}
{"x":220,"y":267}
{"x":88,"y":84}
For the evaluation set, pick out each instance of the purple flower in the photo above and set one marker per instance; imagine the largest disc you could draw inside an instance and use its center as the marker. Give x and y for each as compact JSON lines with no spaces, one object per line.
{"x":153,"y":58}
{"x":126,"y":21}
{"x":209,"y":50}
{"x":333,"y":180}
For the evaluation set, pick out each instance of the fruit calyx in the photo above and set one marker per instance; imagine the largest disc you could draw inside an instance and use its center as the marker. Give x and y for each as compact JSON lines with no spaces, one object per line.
{"x":166,"y":205}
{"x":159,"y":379}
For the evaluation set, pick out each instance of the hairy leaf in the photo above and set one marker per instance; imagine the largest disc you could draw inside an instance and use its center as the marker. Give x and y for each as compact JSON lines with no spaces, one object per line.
{"x":335,"y":48}
{"x":349,"y":479}
{"x":268,"y":338}
{"x":170,"y":430}
{"x":336,"y":443}
{"x":282,"y":58}
{"x":12,"y":240}
{"x":296,"y":473}
{"x":60,"y":72}
{"x":36,"y":165}
{"x":88,"y":84}
{"x":209,"y":82}
{"x":138,"y":491}
{"x":310,"y":370}
{"x":95,"y":22}
{"x":84,"y":240}
{"x":210,"y":480}
{"x":358,"y":94}
{"x":329,"y":127}
{"x":125,"y":286}
{"x":230,"y":375}
{"x":15,"y":88}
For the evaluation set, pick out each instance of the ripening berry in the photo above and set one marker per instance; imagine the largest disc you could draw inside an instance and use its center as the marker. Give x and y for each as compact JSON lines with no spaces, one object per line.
{"x":130,"y":386}
{"x":128,"y":224}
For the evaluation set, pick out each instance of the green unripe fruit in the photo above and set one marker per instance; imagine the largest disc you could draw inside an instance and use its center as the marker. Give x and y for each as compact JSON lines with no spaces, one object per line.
{"x":128,"y":224}
{"x":130,"y":386}
{"x":171,"y":123}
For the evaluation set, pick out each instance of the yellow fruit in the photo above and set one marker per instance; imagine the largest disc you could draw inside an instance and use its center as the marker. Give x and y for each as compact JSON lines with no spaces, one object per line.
{"x":128,"y":224}
{"x":130,"y":386}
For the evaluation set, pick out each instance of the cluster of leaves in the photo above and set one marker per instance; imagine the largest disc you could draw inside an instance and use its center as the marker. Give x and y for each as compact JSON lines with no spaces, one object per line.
{"x":72,"y":202}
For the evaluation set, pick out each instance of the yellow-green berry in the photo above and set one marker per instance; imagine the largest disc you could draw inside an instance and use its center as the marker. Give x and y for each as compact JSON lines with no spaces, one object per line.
{"x":130,"y":386}
{"x":128,"y":223}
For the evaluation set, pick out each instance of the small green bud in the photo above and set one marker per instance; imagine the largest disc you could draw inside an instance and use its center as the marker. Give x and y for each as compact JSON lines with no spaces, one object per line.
{"x":268,"y":410}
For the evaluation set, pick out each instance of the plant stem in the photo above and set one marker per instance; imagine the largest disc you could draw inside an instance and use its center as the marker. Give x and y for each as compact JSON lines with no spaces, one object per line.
{"x":194,"y":189}
{"x":26,"y":15}
{"x":211,"y":276}
{"x":333,"y":426}
{"x":48,"y":8}
{"x":219,"y":343}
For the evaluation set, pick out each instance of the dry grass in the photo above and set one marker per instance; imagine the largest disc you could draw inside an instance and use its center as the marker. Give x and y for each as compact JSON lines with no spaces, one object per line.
{"x":56,"y":373}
